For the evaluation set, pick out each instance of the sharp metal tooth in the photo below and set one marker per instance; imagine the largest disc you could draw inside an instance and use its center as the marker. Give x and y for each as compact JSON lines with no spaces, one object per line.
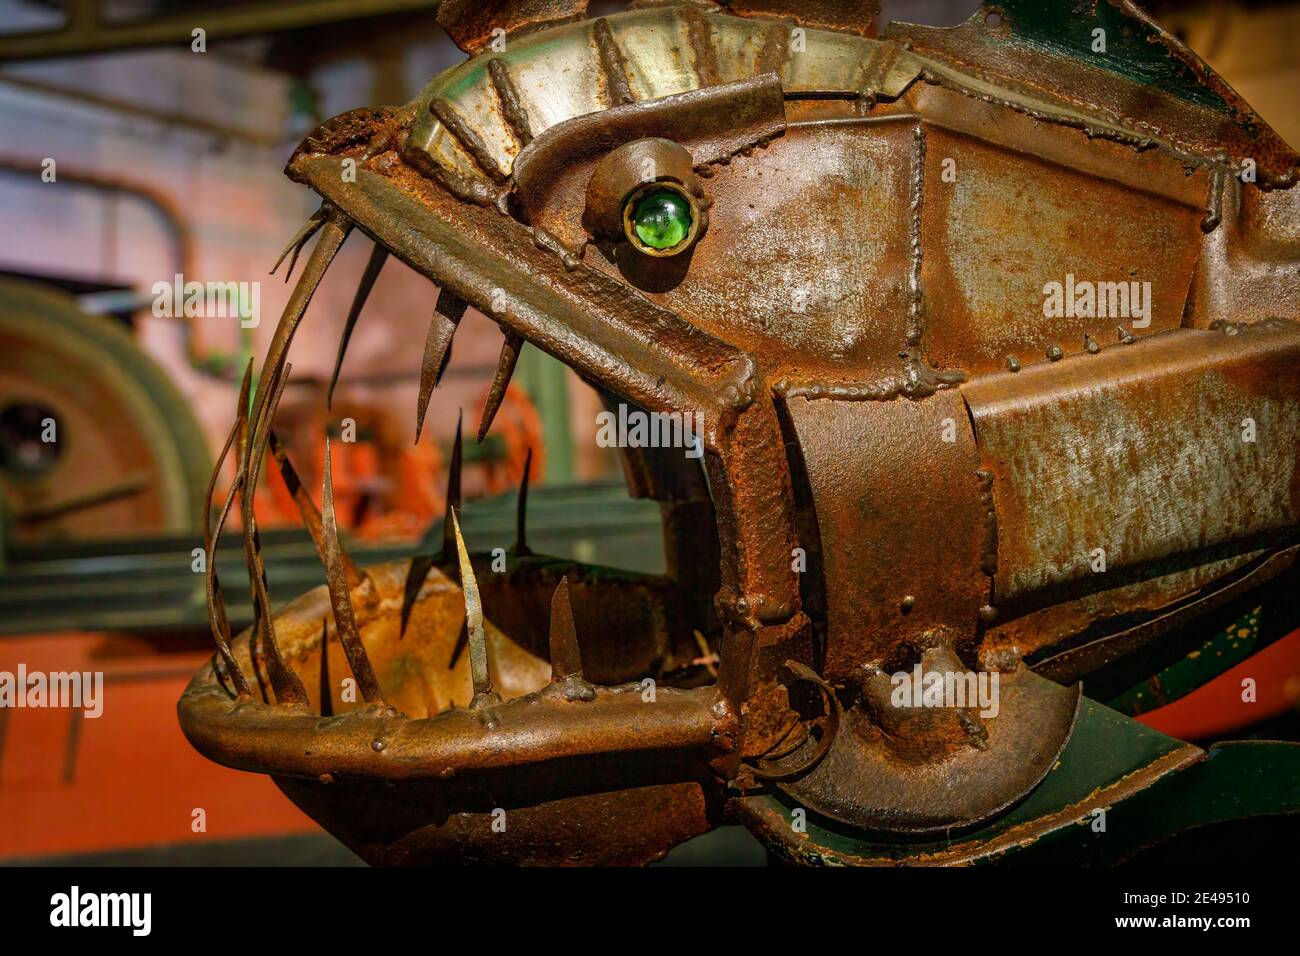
{"x":218,"y":622}
{"x":521,"y":548}
{"x":566,"y":659}
{"x":506,"y":362}
{"x":326,"y":686}
{"x":416,"y":572}
{"x":286,"y":683}
{"x":421,"y":564}
{"x":478,"y":662}
{"x":241,"y":414}
{"x":378,"y":256}
{"x":453,"y":494}
{"x":311,"y":516}
{"x":333,"y":228}
{"x":437,"y":349}
{"x":345,"y":619}
{"x":219,"y":671}
{"x":333,"y":231}
{"x":258,"y":657}
{"x":299,"y":240}
{"x":241,"y":418}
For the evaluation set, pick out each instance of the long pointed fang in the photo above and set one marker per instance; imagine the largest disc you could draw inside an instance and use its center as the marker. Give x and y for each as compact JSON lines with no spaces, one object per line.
{"x":566,"y":659}
{"x":521,"y":548}
{"x":453,"y":493}
{"x":332,"y":233}
{"x":311,"y":516}
{"x":345,"y":620}
{"x":326,"y":687}
{"x":378,"y":256}
{"x":506,"y":362}
{"x":218,"y":622}
{"x":478,"y":662}
{"x":299,"y":240}
{"x":437,"y":349}
{"x":286,"y":683}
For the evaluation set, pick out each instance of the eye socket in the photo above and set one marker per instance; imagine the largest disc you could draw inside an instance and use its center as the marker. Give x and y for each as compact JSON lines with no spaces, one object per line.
{"x":659,"y":219}
{"x":646,"y":193}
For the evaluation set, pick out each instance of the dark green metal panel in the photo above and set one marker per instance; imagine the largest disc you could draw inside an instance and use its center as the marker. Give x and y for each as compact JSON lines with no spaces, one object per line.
{"x":1133,"y":48}
{"x":1224,"y":649}
{"x":1180,"y":662}
{"x":1236,"y":781}
{"x":1241,"y":779}
{"x":1106,"y":747}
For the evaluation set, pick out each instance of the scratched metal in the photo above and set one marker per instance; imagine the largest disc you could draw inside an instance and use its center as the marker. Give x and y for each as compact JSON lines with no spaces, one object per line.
{"x":902,"y":531}
{"x":917,"y":770}
{"x":1139,"y":450}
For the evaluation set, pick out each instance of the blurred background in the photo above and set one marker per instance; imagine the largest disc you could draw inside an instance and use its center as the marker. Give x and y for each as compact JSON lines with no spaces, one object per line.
{"x":132,"y":153}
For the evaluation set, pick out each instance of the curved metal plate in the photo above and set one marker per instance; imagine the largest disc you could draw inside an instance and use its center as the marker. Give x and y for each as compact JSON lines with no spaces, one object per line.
{"x":874,"y":781}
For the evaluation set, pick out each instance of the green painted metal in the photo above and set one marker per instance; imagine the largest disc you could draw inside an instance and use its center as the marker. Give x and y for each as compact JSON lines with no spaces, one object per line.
{"x":1236,"y":781}
{"x":1224,"y":649}
{"x":1105,"y":748}
{"x":1181,"y":662}
{"x":1239,"y":780}
{"x":1132,"y":48}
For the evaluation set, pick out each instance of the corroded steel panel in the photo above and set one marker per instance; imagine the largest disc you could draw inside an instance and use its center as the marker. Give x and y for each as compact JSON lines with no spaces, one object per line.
{"x":902,"y":518}
{"x":1187,"y":441}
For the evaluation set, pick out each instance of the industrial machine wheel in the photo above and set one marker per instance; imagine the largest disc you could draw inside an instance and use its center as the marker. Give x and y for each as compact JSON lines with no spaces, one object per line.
{"x":95,"y":439}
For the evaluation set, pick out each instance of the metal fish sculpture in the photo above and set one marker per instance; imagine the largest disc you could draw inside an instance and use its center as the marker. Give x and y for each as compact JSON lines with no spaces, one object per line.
{"x":991,"y":335}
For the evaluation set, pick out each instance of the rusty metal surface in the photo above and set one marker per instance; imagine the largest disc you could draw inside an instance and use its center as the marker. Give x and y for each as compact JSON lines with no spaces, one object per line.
{"x":1139,"y":450}
{"x":1015,"y":71}
{"x":1074,"y":662}
{"x":855,"y":16}
{"x":1102,"y":767}
{"x":913,"y":771}
{"x":472,"y":23}
{"x":906,"y":458}
{"x":1105,"y":612}
{"x":389,"y":824}
{"x":570,"y":168}
{"x":433,"y":733}
{"x":901,"y":521}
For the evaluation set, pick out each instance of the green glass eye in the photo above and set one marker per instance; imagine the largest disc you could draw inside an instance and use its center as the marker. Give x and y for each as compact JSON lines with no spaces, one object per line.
{"x":661,"y":218}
